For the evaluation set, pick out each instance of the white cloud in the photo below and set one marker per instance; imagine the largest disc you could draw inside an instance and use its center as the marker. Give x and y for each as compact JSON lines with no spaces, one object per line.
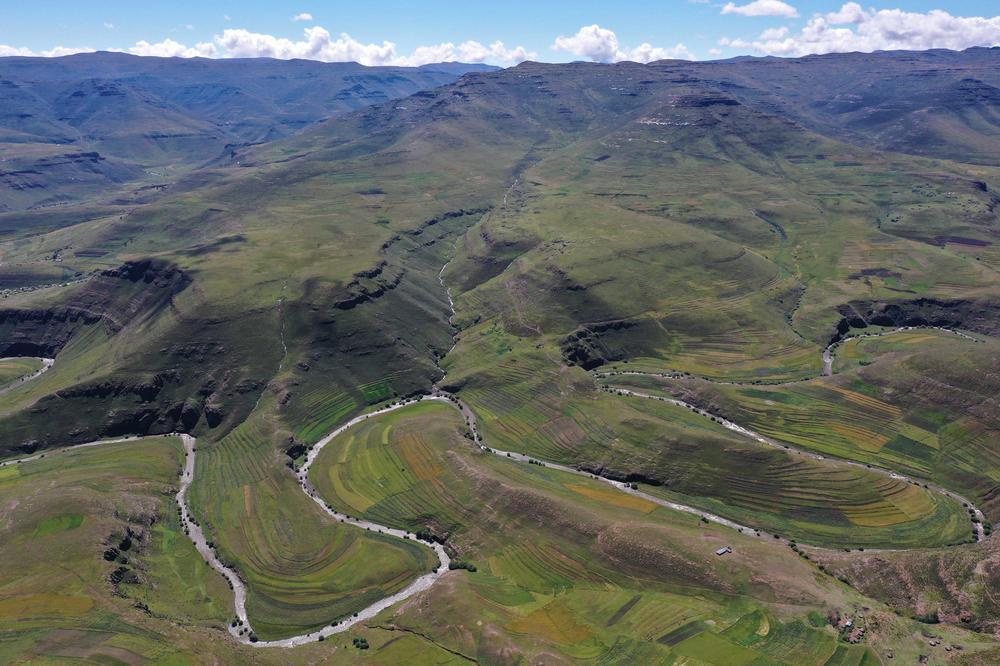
{"x":762,"y":8}
{"x":188,"y":26}
{"x":774,"y":33}
{"x":304,"y":16}
{"x":318,"y":44}
{"x":715,"y":52}
{"x":55,"y":52}
{"x":854,"y":28}
{"x":168,"y":48}
{"x":109,"y":25}
{"x":601,"y":45}
{"x":646,"y":53}
{"x":849,"y":13}
{"x":470,"y":51}
{"x":590,"y":41}
{"x":227,"y":18}
{"x":735,"y":43}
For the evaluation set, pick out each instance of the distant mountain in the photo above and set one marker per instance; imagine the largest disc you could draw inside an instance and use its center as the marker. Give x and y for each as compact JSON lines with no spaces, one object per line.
{"x":936,"y":103}
{"x":135,"y":113}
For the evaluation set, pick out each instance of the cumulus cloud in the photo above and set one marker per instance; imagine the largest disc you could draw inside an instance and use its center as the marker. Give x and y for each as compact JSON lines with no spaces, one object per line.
{"x":56,"y":52}
{"x":168,"y":48}
{"x":470,"y":51}
{"x":853,"y":28}
{"x":590,"y":41}
{"x":601,"y":45}
{"x":109,"y":25}
{"x":317,"y":44}
{"x":304,"y":16}
{"x":774,"y":33}
{"x":762,"y":8}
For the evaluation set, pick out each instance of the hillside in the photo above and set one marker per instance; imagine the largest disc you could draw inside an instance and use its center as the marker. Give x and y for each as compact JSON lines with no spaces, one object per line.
{"x":82,"y":125}
{"x":658,"y":310}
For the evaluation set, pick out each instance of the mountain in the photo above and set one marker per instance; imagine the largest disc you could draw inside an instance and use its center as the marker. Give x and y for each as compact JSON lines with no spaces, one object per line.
{"x":710,"y":359}
{"x":937,"y":103}
{"x":143,"y":118}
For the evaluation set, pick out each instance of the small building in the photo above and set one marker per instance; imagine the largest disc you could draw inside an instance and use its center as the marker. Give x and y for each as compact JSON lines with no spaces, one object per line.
{"x":724,"y":550}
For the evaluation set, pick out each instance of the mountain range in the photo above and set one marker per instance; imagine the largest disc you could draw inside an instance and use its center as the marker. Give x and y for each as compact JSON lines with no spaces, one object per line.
{"x":678,"y":362}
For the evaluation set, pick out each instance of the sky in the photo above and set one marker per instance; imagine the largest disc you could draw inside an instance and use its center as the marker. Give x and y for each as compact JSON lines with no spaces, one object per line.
{"x":390,"y":32}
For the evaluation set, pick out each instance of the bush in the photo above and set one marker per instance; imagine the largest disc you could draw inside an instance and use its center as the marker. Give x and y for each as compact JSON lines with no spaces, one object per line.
{"x":459,"y":564}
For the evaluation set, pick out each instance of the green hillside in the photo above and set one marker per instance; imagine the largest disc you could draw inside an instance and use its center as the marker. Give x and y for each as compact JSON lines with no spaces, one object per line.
{"x":530,"y":243}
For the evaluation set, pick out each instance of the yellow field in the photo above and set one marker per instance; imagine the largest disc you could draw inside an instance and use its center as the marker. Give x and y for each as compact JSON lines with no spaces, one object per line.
{"x":44,"y":605}
{"x":614,"y":497}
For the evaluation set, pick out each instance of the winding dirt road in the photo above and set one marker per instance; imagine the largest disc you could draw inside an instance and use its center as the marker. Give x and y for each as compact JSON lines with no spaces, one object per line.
{"x":828,"y":356}
{"x":18,"y":383}
{"x":242,"y":630}
{"x":751,"y":434}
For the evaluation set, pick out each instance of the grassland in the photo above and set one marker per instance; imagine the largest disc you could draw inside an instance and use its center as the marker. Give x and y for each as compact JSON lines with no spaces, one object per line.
{"x":298,"y":286}
{"x":13,"y":369}
{"x":909,"y":409}
{"x":303,"y":570}
{"x":558,"y":557}
{"x":416,"y":470}
{"x":58,"y":599}
{"x":525,"y":404}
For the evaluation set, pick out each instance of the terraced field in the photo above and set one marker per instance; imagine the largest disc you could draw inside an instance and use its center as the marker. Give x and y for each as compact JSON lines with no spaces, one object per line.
{"x":917,"y":417}
{"x":303,"y":570}
{"x":686,"y":458}
{"x":80,"y":605}
{"x":416,"y":469}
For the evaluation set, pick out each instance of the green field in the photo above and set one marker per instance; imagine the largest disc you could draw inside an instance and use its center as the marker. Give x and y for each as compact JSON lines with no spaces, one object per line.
{"x":915,"y":406}
{"x":415,"y":469}
{"x":13,"y":369}
{"x":585,"y":218}
{"x":526,"y":405}
{"x":303,"y":569}
{"x":57,"y":599}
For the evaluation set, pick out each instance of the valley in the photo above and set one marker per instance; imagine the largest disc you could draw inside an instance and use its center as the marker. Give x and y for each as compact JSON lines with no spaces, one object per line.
{"x":493,"y":373}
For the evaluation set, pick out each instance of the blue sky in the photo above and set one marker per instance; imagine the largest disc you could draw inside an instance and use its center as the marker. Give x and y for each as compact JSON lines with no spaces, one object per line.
{"x":393,"y":32}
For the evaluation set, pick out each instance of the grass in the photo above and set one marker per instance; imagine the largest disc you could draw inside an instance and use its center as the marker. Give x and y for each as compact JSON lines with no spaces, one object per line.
{"x":267,"y":528}
{"x":63,"y":512}
{"x":917,"y":407}
{"x":13,"y":369}
{"x":415,"y":469}
{"x":313,"y":295}
{"x":527,"y":405}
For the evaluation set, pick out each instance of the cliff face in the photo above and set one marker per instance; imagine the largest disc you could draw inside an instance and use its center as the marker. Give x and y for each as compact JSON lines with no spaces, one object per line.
{"x":152,"y":390}
{"x":133,"y":292}
{"x":979,"y":316}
